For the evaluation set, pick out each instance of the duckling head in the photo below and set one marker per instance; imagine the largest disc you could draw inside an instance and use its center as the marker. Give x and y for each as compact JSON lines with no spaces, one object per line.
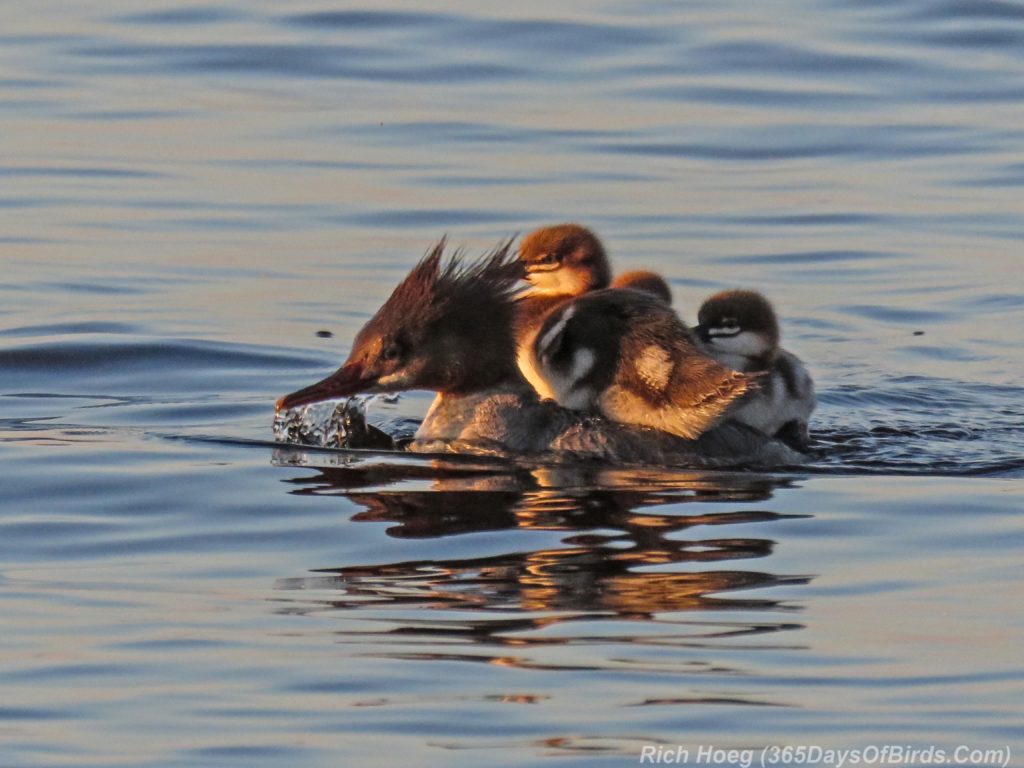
{"x":565,"y":259}
{"x":740,"y":323}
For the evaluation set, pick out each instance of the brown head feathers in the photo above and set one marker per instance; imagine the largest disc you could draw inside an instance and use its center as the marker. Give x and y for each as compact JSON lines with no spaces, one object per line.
{"x":439,"y":285}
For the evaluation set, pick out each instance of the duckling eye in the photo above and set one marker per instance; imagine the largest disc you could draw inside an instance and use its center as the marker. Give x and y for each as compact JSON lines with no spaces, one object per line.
{"x":391,"y":352}
{"x":728,"y":322}
{"x":547,"y":258}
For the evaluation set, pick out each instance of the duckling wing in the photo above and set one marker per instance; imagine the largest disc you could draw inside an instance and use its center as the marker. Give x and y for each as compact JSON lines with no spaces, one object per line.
{"x":664,"y":381}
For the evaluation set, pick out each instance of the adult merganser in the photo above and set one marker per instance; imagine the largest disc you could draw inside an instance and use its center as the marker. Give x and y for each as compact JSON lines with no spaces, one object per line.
{"x":740,"y":329}
{"x":447,"y":327}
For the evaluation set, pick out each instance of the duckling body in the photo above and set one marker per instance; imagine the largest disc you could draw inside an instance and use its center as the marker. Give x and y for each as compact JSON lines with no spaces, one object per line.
{"x":532,"y":310}
{"x":648,"y":282}
{"x":740,"y":329}
{"x":628,"y":356}
{"x":560,"y":263}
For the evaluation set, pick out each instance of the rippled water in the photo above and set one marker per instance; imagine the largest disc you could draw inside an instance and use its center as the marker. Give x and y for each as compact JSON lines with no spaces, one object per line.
{"x":193,"y":195}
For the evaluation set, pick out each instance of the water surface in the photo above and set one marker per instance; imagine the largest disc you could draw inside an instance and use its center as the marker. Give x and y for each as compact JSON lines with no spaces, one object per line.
{"x":193,"y":194}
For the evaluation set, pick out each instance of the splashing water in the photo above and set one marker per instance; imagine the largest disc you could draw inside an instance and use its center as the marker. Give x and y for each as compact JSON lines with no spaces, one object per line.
{"x":332,"y":424}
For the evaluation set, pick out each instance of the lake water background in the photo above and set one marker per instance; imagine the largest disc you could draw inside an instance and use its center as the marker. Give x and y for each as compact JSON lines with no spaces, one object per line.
{"x":190,"y":193}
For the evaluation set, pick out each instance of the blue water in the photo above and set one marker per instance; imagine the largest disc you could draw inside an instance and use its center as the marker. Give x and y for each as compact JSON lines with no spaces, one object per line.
{"x":193,"y":195}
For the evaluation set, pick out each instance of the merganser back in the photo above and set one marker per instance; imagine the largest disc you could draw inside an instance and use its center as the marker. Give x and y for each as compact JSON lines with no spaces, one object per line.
{"x":740,"y":329}
{"x":447,"y":327}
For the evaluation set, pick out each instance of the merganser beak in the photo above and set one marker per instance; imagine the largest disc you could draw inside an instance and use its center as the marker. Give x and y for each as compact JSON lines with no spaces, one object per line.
{"x":344,"y":382}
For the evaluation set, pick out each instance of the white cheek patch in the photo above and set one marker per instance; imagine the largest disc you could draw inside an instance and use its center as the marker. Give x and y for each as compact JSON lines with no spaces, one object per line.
{"x":544,"y":343}
{"x":725,"y":331}
{"x":543,"y":283}
{"x":654,"y":366}
{"x":744,"y":343}
{"x":561,"y":281}
{"x":582,"y":364}
{"x":572,"y":281}
{"x":566,"y":386}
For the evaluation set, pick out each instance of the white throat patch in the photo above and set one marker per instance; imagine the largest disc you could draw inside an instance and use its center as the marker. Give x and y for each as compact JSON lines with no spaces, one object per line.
{"x":743,"y":344}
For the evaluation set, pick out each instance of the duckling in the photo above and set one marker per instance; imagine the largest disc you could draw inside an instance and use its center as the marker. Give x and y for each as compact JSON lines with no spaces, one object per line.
{"x":740,"y":329}
{"x":564,"y":260}
{"x":621,"y":352}
{"x":626,"y":355}
{"x":569,"y":260}
{"x":648,"y":282}
{"x":560,"y":262}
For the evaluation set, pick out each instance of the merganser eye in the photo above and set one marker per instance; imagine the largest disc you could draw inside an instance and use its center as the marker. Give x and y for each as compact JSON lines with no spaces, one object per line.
{"x":391,"y":352}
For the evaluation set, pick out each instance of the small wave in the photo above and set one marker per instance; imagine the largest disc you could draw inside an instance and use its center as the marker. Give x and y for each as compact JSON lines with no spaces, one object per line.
{"x":891,"y":314}
{"x":53,"y":357}
{"x":181,"y":374}
{"x":69,"y":329}
{"x":805,"y":257}
{"x":182,"y":16}
{"x":971,"y":10}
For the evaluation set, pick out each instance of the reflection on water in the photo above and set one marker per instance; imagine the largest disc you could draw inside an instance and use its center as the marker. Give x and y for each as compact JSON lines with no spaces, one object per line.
{"x":628,"y":551}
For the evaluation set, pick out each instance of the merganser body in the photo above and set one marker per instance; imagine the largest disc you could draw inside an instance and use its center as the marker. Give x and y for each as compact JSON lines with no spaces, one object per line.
{"x":740,"y":329}
{"x":448,"y":327}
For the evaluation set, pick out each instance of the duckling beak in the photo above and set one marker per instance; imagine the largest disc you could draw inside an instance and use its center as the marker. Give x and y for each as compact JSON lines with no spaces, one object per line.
{"x":344,"y":382}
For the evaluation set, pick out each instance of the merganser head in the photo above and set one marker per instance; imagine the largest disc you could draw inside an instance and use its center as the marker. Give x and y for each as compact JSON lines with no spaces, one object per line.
{"x":566,"y":259}
{"x":648,"y":282}
{"x":740,"y":323}
{"x":446,"y":328}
